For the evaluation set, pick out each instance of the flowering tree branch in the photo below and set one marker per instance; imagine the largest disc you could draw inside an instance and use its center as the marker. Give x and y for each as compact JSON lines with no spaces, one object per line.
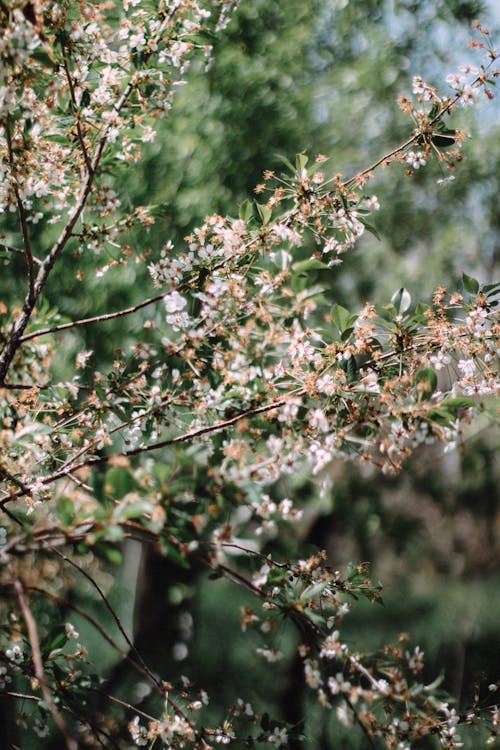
{"x":247,"y":373}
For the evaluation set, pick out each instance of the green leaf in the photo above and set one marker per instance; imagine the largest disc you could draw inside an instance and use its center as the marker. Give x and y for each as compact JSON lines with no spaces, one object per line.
{"x":421,"y":308}
{"x":264,"y":213}
{"x":470,"y":284}
{"x":135,"y":509}
{"x":346,"y":333}
{"x":245,"y":212}
{"x":119,"y":482}
{"x":65,"y":510}
{"x":311,"y":264}
{"x":434,"y":111}
{"x":173,"y":553}
{"x":340,"y":316}
{"x":85,"y":100}
{"x":458,"y":402}
{"x":301,"y":162}
{"x":41,"y":55}
{"x":441,"y":416}
{"x":352,"y":370}
{"x":401,"y":300}
{"x":313,"y":591}
{"x":369,"y":227}
{"x":445,"y":138}
{"x":56,"y":639}
{"x":288,"y":164}
{"x":427,"y":380}
{"x":113,"y":555}
{"x":299,"y":282}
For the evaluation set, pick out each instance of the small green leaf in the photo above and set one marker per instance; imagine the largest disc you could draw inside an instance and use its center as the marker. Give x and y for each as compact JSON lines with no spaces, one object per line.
{"x":135,"y":509}
{"x":118,"y":482}
{"x":173,"y":553}
{"x":458,"y":402}
{"x":313,"y":591}
{"x":471,"y":285}
{"x":299,"y":282}
{"x":352,"y":370}
{"x":434,"y":111}
{"x":264,"y":213}
{"x":421,"y":308}
{"x":346,"y":333}
{"x":288,"y":164}
{"x":444,"y":138}
{"x":301,"y":162}
{"x":113,"y":555}
{"x":401,"y":300}
{"x":369,"y":228}
{"x":340,"y":316}
{"x":65,"y":510}
{"x":245,"y":212}
{"x":311,"y":264}
{"x":56,"y":639}
{"x":85,"y":100}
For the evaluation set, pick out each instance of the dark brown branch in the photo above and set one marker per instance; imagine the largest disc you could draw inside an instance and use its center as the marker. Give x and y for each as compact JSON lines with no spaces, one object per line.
{"x":18,"y":251}
{"x":94,"y":319}
{"x":222,"y":425}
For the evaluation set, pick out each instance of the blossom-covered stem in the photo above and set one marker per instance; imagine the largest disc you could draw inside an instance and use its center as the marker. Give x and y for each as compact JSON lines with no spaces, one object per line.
{"x":38,"y":666}
{"x":70,"y":466}
{"x":222,"y":425}
{"x":360,"y":723}
{"x":22,"y":218}
{"x":19,"y":326}
{"x":444,"y":110}
{"x":74,"y":107}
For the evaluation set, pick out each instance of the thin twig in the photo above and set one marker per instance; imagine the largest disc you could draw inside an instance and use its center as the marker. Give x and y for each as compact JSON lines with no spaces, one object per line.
{"x":18,"y":251}
{"x":82,"y":613}
{"x":119,"y":702}
{"x":94,"y":319}
{"x":115,"y":617}
{"x":20,"y":696}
